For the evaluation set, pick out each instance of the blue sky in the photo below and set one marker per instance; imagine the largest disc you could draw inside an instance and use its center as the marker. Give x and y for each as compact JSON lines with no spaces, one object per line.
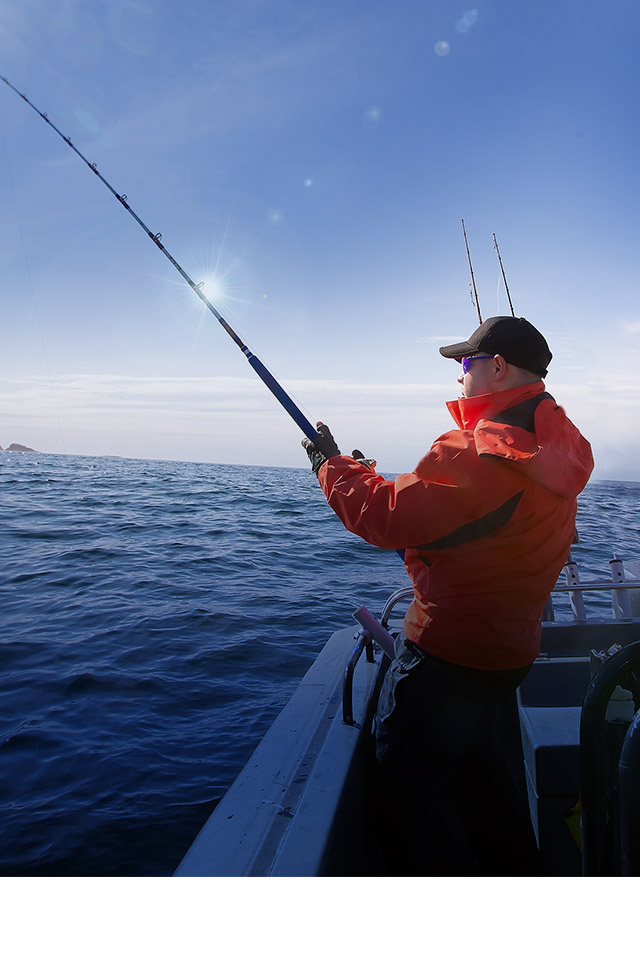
{"x":311,"y":163}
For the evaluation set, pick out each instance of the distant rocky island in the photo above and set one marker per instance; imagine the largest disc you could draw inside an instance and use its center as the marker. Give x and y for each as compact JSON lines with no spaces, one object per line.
{"x":15,"y":447}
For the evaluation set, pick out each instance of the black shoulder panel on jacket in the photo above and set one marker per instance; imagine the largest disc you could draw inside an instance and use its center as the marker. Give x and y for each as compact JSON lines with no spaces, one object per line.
{"x":480,"y":528}
{"x":522,"y":415}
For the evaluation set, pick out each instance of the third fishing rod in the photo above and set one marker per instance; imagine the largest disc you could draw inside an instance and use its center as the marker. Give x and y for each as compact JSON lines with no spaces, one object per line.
{"x":473,"y":280}
{"x":504,"y":278}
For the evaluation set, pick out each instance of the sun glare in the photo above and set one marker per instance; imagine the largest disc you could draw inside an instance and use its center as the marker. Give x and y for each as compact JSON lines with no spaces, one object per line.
{"x":223,"y":280}
{"x":213,"y":289}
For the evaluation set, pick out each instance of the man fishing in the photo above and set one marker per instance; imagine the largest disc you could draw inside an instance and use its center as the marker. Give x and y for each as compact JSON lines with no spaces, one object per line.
{"x":486,"y":521}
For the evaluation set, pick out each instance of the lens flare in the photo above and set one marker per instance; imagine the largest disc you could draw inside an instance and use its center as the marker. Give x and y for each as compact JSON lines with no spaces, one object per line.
{"x":442,"y":49}
{"x":213,"y":289}
{"x":466,"y":22}
{"x":371,"y":117}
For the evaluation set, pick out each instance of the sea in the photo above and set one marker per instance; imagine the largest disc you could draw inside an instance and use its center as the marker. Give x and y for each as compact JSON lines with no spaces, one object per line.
{"x":155,"y":617}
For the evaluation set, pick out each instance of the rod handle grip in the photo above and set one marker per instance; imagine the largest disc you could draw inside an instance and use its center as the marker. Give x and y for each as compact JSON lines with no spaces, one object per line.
{"x":287,"y":403}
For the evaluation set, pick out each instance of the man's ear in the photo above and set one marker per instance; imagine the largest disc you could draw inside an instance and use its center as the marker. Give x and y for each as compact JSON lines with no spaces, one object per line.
{"x":499,"y":366}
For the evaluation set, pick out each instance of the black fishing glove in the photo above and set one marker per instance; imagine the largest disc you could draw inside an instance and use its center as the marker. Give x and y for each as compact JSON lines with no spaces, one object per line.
{"x":322,"y":448}
{"x":360,"y":458}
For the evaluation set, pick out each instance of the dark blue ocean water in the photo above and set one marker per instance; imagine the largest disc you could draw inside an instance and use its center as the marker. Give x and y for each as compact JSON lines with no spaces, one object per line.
{"x":154,"y":619}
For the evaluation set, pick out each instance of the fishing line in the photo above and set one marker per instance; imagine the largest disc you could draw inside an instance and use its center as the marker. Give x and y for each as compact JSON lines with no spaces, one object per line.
{"x":263,"y":373}
{"x":33,"y":294}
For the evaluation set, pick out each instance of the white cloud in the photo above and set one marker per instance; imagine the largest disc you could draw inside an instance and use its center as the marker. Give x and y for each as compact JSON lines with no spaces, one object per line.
{"x":225,"y":419}
{"x":237,"y":420}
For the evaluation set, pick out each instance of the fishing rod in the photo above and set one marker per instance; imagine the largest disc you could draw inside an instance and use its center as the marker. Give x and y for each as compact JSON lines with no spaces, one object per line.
{"x":495,"y":245}
{"x":263,"y":373}
{"x":473,"y":281}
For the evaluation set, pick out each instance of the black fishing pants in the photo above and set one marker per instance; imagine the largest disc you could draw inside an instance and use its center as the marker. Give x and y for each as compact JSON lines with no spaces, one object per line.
{"x":448,"y":745}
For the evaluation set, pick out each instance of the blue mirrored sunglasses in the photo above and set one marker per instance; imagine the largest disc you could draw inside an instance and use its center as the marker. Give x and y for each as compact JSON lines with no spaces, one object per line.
{"x":466,"y":361}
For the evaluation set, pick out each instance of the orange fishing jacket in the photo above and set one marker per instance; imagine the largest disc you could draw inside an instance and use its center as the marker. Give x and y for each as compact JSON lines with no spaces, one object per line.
{"x":486,"y":520}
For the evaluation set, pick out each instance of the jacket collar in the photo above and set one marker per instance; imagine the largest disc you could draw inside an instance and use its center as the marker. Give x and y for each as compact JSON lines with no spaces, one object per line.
{"x":467,"y":412}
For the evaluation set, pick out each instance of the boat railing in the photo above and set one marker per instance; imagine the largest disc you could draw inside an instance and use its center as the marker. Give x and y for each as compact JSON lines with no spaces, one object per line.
{"x":623,"y":587}
{"x":401,"y":595}
{"x":625,"y":600}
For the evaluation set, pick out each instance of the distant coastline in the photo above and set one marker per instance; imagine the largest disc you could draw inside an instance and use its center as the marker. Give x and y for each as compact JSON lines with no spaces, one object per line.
{"x":15,"y":447}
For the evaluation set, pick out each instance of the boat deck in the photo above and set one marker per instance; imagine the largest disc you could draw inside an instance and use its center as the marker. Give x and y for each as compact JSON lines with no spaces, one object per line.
{"x":302,"y":805}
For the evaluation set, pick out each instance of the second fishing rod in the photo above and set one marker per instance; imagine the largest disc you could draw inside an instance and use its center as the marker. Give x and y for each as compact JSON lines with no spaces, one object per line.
{"x":476,"y":301}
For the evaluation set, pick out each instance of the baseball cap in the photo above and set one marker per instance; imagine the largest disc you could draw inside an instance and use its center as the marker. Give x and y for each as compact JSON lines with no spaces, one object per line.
{"x":513,"y":337}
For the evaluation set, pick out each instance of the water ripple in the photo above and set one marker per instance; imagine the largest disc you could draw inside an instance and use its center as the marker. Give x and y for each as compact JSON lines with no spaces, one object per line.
{"x":155,"y":618}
